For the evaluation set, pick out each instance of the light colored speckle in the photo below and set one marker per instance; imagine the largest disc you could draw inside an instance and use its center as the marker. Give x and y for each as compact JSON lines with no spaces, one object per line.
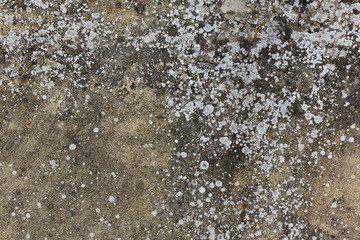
{"x":71,"y":34}
{"x":226,"y":141}
{"x":95,"y":15}
{"x":208,"y":109}
{"x":111,"y":199}
{"x":246,"y":150}
{"x":14,"y":173}
{"x":314,"y":133}
{"x":39,"y":3}
{"x":204,"y":139}
{"x":318,"y":119}
{"x":212,"y":235}
{"x":151,"y":37}
{"x":237,"y":6}
{"x":301,"y":146}
{"x":262,"y":128}
{"x":183,"y":154}
{"x":88,"y":24}
{"x":154,"y":213}
{"x":53,"y":164}
{"x":179,"y":194}
{"x":202,"y":189}
{"x":72,"y":146}
{"x":204,"y":165}
{"x":218,"y":183}
{"x":96,"y":130}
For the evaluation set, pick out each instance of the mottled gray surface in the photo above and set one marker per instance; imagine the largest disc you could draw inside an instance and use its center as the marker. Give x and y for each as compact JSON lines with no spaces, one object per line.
{"x":179,"y":119}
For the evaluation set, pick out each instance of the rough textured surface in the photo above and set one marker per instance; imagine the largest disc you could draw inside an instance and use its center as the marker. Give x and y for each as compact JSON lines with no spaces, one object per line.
{"x":179,"y":119}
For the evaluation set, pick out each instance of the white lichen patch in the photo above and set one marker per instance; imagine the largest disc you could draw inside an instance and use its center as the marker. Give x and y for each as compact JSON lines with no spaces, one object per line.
{"x":112,"y":199}
{"x":225,"y":141}
{"x":72,"y":146}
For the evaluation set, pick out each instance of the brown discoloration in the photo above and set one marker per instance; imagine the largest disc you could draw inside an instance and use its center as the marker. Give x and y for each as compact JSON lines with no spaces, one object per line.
{"x":335,"y":206}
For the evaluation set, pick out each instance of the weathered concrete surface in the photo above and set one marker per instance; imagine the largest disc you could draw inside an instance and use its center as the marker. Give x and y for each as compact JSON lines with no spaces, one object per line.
{"x":179,"y":119}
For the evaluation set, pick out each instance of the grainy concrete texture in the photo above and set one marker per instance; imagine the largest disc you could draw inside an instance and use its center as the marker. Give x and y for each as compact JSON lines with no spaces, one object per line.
{"x":179,"y":119}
